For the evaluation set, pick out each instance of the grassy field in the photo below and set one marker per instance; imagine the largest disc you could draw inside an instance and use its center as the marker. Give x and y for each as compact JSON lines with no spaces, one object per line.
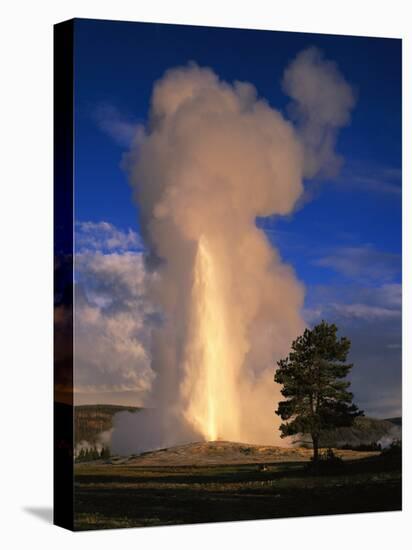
{"x":127,"y":495}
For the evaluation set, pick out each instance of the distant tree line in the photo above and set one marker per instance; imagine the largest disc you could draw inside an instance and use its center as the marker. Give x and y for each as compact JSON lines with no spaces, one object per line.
{"x":92,"y":453}
{"x":373,"y":446}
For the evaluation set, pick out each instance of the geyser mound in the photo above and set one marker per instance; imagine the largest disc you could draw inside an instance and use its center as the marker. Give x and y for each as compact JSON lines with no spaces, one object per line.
{"x":219,"y":452}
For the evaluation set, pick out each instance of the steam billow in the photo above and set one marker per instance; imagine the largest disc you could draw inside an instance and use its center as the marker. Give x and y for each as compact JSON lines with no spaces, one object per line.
{"x":214,"y":157}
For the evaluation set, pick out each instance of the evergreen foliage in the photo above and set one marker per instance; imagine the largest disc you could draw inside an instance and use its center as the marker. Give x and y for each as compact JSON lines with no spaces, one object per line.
{"x":313,"y":380}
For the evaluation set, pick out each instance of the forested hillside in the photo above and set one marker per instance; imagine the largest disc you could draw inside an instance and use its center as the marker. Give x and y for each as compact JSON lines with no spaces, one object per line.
{"x":92,"y":420}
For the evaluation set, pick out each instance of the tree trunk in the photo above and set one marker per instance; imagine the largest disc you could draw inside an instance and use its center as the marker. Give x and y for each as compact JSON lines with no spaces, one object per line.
{"x":315,"y":440}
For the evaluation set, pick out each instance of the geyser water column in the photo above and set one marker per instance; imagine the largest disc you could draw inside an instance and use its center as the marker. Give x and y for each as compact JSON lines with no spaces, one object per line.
{"x":211,"y":366}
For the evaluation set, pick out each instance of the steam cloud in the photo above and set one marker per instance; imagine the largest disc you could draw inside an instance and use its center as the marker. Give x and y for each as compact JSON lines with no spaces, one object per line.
{"x":213,"y":157}
{"x":322,"y":104}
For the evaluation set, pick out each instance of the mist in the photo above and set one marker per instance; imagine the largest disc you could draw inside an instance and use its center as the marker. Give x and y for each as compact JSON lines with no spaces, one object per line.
{"x":212,"y":158}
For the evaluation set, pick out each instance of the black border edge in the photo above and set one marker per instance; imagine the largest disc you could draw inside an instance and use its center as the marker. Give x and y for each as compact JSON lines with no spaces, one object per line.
{"x":63,"y":475}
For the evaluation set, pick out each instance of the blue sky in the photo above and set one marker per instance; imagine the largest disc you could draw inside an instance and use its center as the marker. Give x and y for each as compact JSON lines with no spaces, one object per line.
{"x":344,"y":240}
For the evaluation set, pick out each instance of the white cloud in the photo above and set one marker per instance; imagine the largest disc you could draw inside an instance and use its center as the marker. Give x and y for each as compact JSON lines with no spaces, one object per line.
{"x":105,"y":236}
{"x":112,"y":315}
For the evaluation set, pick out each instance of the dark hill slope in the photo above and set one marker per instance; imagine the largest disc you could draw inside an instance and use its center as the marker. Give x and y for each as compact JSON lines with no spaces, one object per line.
{"x":365,"y":431}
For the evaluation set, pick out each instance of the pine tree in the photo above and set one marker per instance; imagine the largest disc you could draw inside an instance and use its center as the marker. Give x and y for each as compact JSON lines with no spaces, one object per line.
{"x":313,"y":379}
{"x":94,"y":454}
{"x":80,"y":456}
{"x":105,"y":452}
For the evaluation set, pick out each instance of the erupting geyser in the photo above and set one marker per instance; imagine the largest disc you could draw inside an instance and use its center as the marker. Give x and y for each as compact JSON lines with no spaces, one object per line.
{"x":212,"y":159}
{"x":211,"y":366}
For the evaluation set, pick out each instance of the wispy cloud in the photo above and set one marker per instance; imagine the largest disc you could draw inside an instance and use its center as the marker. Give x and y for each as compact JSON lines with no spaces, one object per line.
{"x":365,"y":312}
{"x":364,"y":263}
{"x":115,"y":124}
{"x":373,"y":179}
{"x":351,"y":300}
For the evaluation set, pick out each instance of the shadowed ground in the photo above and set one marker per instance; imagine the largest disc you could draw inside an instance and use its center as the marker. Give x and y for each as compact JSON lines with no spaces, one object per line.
{"x":194,"y":484}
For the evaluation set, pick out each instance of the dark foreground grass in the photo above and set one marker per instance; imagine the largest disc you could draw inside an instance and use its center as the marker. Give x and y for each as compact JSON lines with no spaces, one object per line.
{"x":111,"y":496}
